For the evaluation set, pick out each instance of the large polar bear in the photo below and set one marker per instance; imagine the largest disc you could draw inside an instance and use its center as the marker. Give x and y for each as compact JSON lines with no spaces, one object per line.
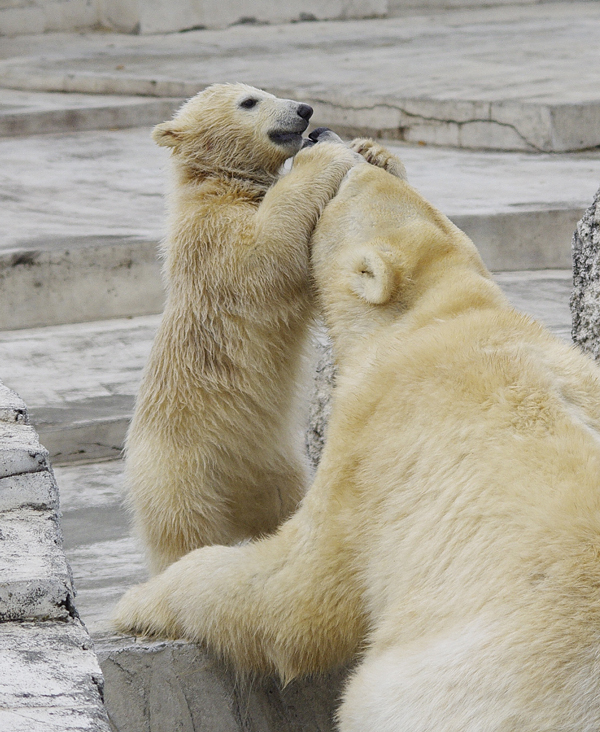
{"x":214,"y":453}
{"x":451,"y":537}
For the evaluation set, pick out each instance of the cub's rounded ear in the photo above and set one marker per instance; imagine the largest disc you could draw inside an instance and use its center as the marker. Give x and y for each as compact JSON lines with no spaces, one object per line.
{"x":166,"y":134}
{"x":372,"y":277}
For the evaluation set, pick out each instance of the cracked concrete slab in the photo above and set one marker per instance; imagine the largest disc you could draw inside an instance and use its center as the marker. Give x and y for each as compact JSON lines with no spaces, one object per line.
{"x":479,"y":78}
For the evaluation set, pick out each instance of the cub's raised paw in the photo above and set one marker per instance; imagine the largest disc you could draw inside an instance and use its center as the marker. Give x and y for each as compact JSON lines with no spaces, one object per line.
{"x":324,"y":134}
{"x":144,"y":610}
{"x":378,"y":155}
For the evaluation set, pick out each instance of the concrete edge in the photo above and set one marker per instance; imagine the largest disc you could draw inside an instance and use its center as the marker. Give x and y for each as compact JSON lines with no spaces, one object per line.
{"x":131,"y":113}
{"x":79,"y":280}
{"x":116,"y":277}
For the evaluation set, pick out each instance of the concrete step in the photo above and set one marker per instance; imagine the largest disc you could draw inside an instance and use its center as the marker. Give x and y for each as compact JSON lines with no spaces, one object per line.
{"x":29,"y":113}
{"x":83,"y":212}
{"x":80,"y":380}
{"x":477,"y":78}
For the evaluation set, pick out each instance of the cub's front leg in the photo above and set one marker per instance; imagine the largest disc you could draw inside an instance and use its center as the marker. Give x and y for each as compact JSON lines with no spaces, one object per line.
{"x":291,"y":208}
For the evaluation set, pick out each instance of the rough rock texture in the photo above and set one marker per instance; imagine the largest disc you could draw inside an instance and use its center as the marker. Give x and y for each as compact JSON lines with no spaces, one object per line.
{"x":320,"y":403}
{"x":585,"y":299}
{"x":156,"y":686}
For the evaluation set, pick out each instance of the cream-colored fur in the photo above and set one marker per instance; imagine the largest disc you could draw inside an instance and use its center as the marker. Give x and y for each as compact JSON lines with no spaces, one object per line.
{"x":214,"y":453}
{"x":451,"y":537}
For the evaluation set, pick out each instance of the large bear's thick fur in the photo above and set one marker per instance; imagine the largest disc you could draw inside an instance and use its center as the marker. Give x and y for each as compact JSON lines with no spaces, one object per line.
{"x":214,"y":454}
{"x":451,"y":537}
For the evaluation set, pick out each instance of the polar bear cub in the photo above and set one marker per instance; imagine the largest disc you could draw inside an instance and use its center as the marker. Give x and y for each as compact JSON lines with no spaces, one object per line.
{"x":214,"y":452}
{"x":452,"y":533}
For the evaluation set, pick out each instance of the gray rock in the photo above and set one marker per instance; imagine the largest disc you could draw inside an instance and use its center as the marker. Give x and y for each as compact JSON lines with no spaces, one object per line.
{"x":157,"y":686}
{"x":320,"y":403}
{"x":585,"y":299}
{"x":12,"y":407}
{"x":29,"y":490}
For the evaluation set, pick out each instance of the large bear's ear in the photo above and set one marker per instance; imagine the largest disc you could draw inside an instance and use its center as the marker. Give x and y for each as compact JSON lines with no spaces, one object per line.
{"x":166,"y":134}
{"x":372,"y":277}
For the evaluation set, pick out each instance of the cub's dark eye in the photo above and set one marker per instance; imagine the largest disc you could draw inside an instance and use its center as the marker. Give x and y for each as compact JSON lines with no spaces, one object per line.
{"x":249,"y":103}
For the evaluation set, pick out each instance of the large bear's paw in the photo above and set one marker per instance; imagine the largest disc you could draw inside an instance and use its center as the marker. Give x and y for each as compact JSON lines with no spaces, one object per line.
{"x":145,"y":610}
{"x":376,"y":154}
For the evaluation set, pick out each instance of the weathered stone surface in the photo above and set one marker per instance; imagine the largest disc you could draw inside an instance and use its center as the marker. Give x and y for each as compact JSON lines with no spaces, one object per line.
{"x":156,"y":16}
{"x":50,"y":679}
{"x":153,"y":687}
{"x":35,"y":581}
{"x":29,"y":490}
{"x":20,"y":450}
{"x":585,"y":300}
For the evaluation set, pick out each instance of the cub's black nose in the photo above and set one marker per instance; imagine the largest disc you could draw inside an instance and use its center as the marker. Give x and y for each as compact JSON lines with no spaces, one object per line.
{"x":305,"y":111}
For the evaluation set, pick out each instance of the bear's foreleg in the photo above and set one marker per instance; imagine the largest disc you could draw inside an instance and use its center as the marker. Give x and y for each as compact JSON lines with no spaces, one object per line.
{"x":290,"y":210}
{"x":287,"y":604}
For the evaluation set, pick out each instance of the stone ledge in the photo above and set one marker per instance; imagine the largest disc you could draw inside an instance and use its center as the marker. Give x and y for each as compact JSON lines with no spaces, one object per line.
{"x":106,"y":113}
{"x":79,"y":279}
{"x":50,"y":679}
{"x":158,"y":686}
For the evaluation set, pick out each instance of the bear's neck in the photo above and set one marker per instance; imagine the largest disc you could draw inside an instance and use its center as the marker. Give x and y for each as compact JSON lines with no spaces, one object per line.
{"x":257,"y":180}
